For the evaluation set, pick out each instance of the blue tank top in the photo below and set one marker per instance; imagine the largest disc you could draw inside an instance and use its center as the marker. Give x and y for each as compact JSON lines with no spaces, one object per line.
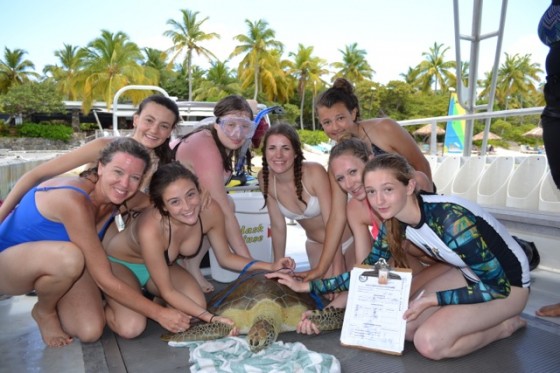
{"x":27,"y":224}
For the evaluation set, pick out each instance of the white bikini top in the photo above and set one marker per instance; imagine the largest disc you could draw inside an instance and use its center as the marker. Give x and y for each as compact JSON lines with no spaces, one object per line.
{"x":312,"y":210}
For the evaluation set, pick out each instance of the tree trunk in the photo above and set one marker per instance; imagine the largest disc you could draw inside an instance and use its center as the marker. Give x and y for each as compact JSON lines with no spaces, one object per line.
{"x":301,"y":108}
{"x":76,"y":120}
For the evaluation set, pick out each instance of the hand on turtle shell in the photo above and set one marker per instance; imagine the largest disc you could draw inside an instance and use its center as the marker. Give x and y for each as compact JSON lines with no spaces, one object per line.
{"x":313,"y":274}
{"x":290,"y":281}
{"x":224,"y":320}
{"x":284,"y":263}
{"x":173,"y":320}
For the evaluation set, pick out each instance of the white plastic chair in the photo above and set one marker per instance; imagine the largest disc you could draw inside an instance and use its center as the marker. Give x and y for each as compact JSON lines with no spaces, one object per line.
{"x":466,"y":181}
{"x":549,"y":195}
{"x":445,"y":173}
{"x":523,"y":186}
{"x":492,"y":188}
{"x":433,"y":161}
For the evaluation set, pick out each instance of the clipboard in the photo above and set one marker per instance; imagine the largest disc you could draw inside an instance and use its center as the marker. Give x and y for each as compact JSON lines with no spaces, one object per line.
{"x":374,"y":312}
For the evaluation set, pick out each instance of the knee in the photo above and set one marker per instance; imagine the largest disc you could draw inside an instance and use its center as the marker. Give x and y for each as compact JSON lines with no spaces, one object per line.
{"x":91,"y":331}
{"x":131,"y":329}
{"x":71,"y":263}
{"x":428,"y":344}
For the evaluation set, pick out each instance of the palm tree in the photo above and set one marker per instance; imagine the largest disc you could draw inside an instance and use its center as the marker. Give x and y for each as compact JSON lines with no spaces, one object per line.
{"x":517,"y":77}
{"x":112,"y":62}
{"x":187,"y":36}
{"x":157,"y":60}
{"x":220,"y":82}
{"x":262,"y":63}
{"x":307,"y":69}
{"x":411,"y":76}
{"x":65,"y":75}
{"x":434,"y":69}
{"x":14,"y":69}
{"x":354,"y":66}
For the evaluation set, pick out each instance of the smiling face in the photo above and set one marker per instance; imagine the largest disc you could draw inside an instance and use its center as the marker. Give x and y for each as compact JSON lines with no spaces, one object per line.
{"x":232,"y":129}
{"x":153,"y":125}
{"x":347,"y":170}
{"x":279,"y":153}
{"x":337,"y":120}
{"x":181,"y":200}
{"x":385,"y":193}
{"x":121,"y":177}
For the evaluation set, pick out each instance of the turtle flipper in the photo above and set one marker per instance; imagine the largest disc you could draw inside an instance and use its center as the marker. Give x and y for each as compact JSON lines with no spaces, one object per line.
{"x":200,"y":332}
{"x":261,"y":335}
{"x":327,"y":319}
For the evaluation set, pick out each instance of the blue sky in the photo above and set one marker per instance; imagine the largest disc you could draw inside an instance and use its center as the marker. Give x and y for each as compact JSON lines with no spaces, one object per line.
{"x":394,"y":33}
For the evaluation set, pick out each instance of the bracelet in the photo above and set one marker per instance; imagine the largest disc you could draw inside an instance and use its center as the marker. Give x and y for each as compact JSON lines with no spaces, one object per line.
{"x":198,"y":316}
{"x":247,"y":266}
{"x":212,"y":318}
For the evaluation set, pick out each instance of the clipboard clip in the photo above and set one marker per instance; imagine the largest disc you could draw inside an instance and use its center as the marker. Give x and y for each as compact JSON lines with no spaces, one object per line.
{"x":381,"y":270}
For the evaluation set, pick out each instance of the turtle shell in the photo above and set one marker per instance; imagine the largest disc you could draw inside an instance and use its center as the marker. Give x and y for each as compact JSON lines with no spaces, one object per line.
{"x":253,"y":295}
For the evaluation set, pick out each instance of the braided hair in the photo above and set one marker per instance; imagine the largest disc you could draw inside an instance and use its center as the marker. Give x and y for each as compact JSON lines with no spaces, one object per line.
{"x":291,"y":134}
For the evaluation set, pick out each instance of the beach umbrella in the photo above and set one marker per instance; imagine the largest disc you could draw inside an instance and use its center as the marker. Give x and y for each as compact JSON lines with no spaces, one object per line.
{"x":427,"y":130}
{"x":491,"y":136}
{"x":535,"y":132}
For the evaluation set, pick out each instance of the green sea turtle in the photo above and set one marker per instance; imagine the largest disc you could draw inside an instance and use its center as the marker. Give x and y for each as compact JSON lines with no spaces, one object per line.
{"x":260,"y":308}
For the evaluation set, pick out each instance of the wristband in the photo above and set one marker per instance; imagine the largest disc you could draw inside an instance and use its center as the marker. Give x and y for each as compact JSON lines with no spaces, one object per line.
{"x":212,"y":318}
{"x":247,"y":266}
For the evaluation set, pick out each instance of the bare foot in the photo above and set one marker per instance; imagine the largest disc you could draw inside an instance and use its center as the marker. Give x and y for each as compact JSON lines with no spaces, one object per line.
{"x":552,"y":310}
{"x":513,"y":324}
{"x":204,"y":284}
{"x":50,"y":328}
{"x":194,"y":270}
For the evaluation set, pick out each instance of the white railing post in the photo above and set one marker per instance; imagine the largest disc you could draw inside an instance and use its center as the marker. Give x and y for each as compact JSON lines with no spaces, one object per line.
{"x":128,"y":88}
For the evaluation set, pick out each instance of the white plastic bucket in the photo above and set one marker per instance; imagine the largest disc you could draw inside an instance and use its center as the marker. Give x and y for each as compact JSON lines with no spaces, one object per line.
{"x":524,"y":184}
{"x":466,"y":180}
{"x":445,"y":173}
{"x":549,"y":195}
{"x":492,"y":189}
{"x":255,"y":229}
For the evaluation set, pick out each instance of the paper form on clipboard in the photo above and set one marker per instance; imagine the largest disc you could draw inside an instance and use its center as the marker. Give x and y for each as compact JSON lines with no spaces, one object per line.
{"x":374,"y":311}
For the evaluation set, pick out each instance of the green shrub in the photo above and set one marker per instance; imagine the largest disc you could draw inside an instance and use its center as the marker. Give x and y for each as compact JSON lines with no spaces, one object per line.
{"x":46,"y":131}
{"x":312,"y":137}
{"x":5,"y":129}
{"x":88,"y":126}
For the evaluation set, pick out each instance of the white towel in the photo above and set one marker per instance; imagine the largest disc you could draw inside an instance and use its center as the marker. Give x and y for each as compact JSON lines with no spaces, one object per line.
{"x":232,"y":354}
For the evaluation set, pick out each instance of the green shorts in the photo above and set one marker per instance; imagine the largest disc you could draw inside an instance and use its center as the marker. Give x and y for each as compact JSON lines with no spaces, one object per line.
{"x":139,"y":270}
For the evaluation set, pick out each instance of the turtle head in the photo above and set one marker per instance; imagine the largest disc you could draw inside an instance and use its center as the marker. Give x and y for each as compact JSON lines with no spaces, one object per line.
{"x":261,"y":335}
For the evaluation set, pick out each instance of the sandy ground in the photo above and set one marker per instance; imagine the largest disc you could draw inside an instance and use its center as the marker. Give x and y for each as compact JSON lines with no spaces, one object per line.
{"x":18,"y":156}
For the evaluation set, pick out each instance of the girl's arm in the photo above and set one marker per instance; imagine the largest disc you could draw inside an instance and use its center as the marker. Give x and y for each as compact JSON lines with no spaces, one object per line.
{"x":473,"y":250}
{"x":75,"y":212}
{"x":277,"y":224}
{"x":334,"y":230}
{"x":393,"y":137}
{"x":81,"y":156}
{"x":213,"y":223}
{"x":317,"y":182}
{"x":150,"y":238}
{"x":359,"y":223}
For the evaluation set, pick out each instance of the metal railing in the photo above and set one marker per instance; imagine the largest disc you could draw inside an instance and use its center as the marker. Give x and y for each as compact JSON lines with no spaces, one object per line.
{"x":468,"y":136}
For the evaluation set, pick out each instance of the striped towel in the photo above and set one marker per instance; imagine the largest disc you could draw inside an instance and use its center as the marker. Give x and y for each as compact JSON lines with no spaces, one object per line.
{"x":232,"y":354}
